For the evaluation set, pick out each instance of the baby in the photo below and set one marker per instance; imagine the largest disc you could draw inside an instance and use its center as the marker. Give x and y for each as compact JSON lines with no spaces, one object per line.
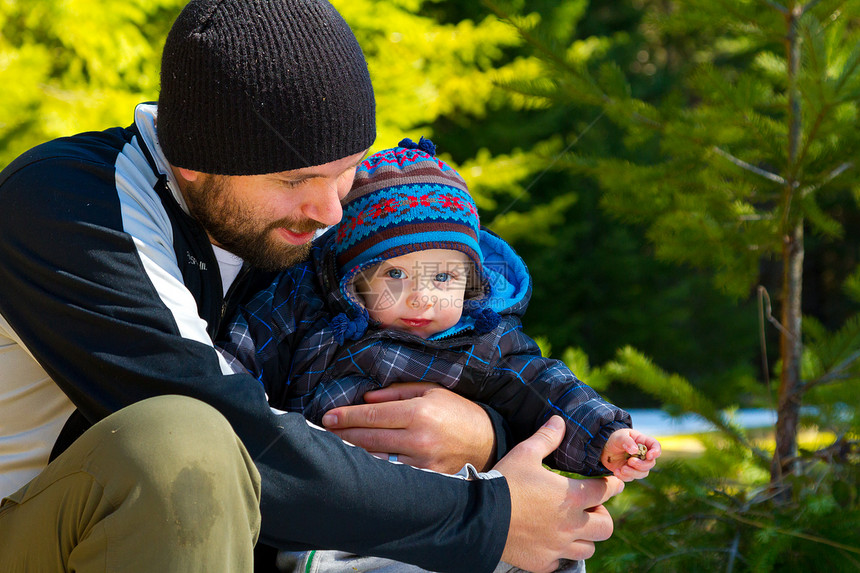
{"x":410,"y":288}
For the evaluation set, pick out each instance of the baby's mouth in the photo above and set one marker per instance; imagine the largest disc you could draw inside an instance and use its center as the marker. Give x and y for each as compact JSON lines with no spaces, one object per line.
{"x":415,"y":322}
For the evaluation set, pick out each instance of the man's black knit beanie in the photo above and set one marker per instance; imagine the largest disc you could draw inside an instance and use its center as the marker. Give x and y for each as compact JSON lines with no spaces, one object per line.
{"x":261,"y":86}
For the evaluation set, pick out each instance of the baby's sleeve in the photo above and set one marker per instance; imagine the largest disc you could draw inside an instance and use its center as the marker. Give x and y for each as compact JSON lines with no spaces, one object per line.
{"x":527,"y":388}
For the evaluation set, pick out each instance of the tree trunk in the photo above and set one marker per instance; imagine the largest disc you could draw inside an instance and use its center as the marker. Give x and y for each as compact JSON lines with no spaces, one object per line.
{"x":790,"y":350}
{"x":790,"y":341}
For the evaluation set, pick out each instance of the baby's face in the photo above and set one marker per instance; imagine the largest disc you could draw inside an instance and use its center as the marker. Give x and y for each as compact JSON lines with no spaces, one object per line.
{"x":420,"y":292}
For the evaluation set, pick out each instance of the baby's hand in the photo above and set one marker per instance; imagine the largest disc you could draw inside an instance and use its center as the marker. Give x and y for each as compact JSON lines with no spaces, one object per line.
{"x":623,"y":454}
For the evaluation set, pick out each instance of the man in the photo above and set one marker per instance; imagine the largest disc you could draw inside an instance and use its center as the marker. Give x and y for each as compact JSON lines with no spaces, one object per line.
{"x":120,"y":254}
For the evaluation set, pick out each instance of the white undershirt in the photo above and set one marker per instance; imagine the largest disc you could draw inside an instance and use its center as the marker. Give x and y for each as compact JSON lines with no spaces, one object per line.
{"x":229,"y":264}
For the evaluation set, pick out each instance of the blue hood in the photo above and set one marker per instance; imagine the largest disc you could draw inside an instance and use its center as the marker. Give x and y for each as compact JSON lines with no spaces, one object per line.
{"x":509,"y":278}
{"x":510,"y":282}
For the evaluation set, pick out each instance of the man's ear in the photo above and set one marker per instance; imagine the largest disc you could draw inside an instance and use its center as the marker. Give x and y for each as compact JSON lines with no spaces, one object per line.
{"x":188,"y":174}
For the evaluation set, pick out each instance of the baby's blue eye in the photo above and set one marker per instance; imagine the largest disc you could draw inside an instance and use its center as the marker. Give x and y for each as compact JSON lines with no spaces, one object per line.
{"x":442,"y":277}
{"x":395,"y":274}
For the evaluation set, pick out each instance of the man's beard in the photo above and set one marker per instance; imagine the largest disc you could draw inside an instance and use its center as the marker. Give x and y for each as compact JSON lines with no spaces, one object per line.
{"x":235,"y":228}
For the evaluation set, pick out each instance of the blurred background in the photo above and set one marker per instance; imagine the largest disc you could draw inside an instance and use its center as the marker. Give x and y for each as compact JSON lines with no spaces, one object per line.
{"x":682,"y":179}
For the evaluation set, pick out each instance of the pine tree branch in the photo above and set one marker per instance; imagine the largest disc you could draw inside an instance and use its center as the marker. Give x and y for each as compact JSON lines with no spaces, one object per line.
{"x":762,"y":455}
{"x":777,"y":6}
{"x":809,"y":6}
{"x":529,"y":38}
{"x":800,"y":535}
{"x":724,"y":89}
{"x":839,"y":450}
{"x":846,"y":74}
{"x":769,"y":312}
{"x":679,"y":520}
{"x":553,"y":162}
{"x":749,"y":167}
{"x":632,"y":540}
{"x":830,"y":177}
{"x":729,"y":7}
{"x":834,"y":374}
{"x":763,"y":340}
{"x":733,"y":551}
{"x":550,"y":55}
{"x":819,"y":119}
{"x":684,"y":552}
{"x":644,"y":120}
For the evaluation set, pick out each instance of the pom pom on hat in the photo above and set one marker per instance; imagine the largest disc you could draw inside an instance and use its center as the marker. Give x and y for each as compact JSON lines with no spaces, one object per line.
{"x":423,"y":144}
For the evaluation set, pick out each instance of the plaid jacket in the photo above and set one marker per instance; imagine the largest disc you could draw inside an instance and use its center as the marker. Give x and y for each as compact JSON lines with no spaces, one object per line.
{"x":284,"y":337}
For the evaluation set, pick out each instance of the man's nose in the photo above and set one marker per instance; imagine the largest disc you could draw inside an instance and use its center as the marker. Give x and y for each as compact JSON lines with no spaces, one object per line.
{"x":324,"y":205}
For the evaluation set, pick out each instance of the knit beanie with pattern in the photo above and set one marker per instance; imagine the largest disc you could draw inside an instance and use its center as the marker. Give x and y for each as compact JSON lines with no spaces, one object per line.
{"x":404,"y":200}
{"x":261,"y":86}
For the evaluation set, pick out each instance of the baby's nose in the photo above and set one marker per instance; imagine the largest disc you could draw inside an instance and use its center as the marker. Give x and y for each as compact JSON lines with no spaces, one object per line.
{"x":421,"y":298}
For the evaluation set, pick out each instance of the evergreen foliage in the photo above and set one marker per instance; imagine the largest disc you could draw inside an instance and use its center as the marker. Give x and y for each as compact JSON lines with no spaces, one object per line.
{"x":721,"y":511}
{"x":750,"y":151}
{"x":76,"y":65}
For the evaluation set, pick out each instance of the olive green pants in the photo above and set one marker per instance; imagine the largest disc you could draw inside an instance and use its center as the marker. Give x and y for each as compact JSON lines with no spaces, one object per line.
{"x":163,"y":485}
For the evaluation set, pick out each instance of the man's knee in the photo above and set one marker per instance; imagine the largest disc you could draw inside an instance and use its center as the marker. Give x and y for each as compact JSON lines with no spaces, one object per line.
{"x":179,"y":454}
{"x":175,"y":439}
{"x":166,"y":473}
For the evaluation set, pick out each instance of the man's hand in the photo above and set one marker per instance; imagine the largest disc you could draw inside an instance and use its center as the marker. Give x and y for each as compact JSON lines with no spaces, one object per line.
{"x":552,"y":517}
{"x":427,"y":426}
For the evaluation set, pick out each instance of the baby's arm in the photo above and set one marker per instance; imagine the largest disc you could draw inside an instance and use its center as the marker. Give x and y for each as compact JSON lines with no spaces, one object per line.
{"x":621,"y":454}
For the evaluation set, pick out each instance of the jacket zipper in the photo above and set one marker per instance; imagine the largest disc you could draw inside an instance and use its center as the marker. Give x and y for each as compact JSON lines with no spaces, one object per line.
{"x":230,"y":292}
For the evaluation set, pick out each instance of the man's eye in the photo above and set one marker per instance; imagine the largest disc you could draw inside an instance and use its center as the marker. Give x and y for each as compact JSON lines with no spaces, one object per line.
{"x":395,"y":274}
{"x":442,"y":277}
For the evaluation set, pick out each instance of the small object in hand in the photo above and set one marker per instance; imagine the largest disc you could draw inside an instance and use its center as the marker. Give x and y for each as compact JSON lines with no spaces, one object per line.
{"x":643,"y":450}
